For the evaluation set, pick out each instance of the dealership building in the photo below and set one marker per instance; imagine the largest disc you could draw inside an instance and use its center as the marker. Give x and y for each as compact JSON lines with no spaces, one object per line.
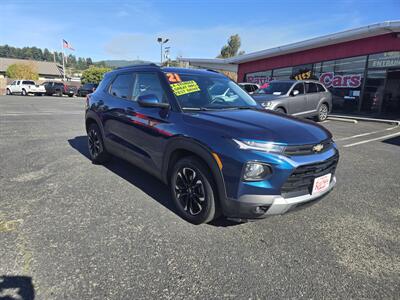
{"x":361,"y":67}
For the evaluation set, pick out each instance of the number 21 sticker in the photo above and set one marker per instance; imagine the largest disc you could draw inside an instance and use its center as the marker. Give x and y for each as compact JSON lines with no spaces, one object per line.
{"x":173,"y":77}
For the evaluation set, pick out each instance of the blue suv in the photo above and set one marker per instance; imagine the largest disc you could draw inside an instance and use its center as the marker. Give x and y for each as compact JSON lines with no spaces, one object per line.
{"x":210,"y":142}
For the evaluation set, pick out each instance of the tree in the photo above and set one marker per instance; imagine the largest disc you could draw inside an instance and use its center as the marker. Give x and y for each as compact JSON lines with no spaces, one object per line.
{"x":22,"y":71}
{"x":93,"y":74}
{"x":231,"y":48}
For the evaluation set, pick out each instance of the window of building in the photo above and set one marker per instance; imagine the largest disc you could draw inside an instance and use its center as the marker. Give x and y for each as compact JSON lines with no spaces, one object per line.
{"x":384,"y":60}
{"x":282,"y":73}
{"x":122,"y":85}
{"x":259,"y":77}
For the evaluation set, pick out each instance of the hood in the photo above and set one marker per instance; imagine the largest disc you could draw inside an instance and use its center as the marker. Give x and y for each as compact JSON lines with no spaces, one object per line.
{"x":266,"y":97}
{"x":259,"y":125}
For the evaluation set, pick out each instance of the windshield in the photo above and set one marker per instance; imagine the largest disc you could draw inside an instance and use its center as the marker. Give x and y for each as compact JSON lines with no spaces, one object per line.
{"x":275,"y":88}
{"x":202,"y":91}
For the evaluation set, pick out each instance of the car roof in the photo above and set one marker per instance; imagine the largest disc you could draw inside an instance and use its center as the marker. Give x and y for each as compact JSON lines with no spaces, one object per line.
{"x":168,"y":69}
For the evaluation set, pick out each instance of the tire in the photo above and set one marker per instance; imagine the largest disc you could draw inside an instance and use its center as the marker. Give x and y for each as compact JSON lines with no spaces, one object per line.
{"x":280,"y":110}
{"x":193,"y":191}
{"x":59,"y":94}
{"x":24,"y":93}
{"x":8,"y":92}
{"x":322,"y":113}
{"x":69,"y":95}
{"x":97,"y":152}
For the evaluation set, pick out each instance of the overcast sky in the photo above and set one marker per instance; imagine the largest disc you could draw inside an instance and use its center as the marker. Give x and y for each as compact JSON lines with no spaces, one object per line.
{"x":119,"y":29}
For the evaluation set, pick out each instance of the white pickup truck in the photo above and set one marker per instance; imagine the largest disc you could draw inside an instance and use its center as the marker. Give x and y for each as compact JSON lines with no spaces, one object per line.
{"x":25,"y":87}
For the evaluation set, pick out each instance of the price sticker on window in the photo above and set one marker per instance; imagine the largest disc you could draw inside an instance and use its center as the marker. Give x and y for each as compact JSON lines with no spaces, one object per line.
{"x":185,"y":87}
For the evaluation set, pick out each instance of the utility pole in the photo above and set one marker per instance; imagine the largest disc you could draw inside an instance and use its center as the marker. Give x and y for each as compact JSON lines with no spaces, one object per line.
{"x":162,"y":42}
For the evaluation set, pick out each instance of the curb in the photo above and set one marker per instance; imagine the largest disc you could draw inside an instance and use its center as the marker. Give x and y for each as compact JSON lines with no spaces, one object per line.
{"x":387,"y":121}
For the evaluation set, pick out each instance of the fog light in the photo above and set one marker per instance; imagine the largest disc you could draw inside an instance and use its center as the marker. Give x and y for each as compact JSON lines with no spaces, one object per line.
{"x":256,"y":171}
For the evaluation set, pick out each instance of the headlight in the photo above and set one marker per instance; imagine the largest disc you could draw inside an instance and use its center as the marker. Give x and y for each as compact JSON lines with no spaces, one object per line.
{"x":267,"y":104}
{"x":260,"y":146}
{"x":256,"y":171}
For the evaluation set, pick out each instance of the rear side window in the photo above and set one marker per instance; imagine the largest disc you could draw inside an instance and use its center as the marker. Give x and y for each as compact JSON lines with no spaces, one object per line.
{"x":28,"y":82}
{"x":148,"y":84}
{"x":299,"y":87}
{"x":122,"y":86}
{"x":311,"y":87}
{"x":321,"y":88}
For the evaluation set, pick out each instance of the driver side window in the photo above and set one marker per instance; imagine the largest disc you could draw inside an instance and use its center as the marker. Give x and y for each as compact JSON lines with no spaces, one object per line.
{"x":299,"y":87}
{"x":148,"y":84}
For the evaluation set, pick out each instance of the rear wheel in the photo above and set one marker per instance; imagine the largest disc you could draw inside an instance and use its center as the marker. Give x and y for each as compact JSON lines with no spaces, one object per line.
{"x":23,"y":92}
{"x":322,"y":113}
{"x":97,"y":151}
{"x":193,"y":191}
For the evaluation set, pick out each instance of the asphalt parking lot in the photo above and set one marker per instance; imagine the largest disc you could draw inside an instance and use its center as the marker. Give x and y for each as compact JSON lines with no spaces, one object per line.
{"x":73,"y":230}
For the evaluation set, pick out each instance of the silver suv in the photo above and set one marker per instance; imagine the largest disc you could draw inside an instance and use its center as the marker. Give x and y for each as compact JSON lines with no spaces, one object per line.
{"x":300,"y":98}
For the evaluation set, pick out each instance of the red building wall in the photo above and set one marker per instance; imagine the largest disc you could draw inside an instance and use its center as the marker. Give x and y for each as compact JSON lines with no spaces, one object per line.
{"x":382,"y":43}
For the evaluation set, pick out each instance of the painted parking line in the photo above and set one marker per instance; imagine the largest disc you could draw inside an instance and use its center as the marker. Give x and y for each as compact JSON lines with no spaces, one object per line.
{"x":374,"y":139}
{"x":365,"y":134}
{"x":41,"y":114}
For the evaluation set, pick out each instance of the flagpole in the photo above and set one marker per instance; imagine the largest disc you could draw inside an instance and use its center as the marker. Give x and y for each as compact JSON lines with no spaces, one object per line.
{"x":62,"y":51}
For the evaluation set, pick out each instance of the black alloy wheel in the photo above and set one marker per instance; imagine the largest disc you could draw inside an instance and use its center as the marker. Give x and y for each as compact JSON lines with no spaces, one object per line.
{"x":189,"y":190}
{"x":193,"y":191}
{"x":98,"y":153}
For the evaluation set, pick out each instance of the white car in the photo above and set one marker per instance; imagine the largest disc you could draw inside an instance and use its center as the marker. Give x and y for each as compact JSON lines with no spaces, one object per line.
{"x":25,"y":87}
{"x":249,"y":87}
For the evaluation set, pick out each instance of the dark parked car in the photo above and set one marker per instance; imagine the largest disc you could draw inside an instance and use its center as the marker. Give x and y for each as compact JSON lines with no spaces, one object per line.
{"x":86,"y":89}
{"x":59,"y":89}
{"x":219,"y":154}
{"x":298,"y":98}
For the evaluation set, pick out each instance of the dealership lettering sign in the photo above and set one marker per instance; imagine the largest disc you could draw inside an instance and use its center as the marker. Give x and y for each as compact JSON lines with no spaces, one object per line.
{"x":329,"y":79}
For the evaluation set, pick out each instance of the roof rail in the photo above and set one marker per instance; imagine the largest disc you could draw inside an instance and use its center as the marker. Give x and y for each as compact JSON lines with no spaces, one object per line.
{"x":138,"y":65}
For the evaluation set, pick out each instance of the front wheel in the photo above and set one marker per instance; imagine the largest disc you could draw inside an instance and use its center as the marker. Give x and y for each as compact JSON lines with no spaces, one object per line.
{"x":97,"y":151}
{"x":8,"y":92}
{"x":193,"y":191}
{"x":280,"y":110}
{"x":322,"y":113}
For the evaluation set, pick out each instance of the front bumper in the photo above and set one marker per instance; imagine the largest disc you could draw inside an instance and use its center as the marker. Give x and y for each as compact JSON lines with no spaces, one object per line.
{"x":260,"y":206}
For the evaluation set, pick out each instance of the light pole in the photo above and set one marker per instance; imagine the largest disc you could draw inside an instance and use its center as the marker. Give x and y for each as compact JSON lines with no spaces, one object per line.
{"x":166,"y":54}
{"x":162,"y":42}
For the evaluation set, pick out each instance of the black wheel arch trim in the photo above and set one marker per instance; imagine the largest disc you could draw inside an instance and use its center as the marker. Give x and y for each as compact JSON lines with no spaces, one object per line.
{"x":202,"y":151}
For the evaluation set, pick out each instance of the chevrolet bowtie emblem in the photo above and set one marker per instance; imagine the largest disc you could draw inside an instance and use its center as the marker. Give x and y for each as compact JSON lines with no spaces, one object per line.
{"x":318,"y":148}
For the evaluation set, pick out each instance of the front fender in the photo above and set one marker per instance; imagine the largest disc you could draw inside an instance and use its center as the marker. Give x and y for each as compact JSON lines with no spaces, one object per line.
{"x":202,"y":151}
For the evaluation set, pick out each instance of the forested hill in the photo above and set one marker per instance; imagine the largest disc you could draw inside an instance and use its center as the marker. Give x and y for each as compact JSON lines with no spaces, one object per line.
{"x":80,"y":63}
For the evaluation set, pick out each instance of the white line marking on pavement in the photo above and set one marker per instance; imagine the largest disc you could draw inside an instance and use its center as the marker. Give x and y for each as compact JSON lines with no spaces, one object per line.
{"x":364,"y":134}
{"x":371,"y":140}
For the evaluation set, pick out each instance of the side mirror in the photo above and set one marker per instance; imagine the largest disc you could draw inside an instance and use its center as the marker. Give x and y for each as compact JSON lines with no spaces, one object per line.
{"x":295,"y":92}
{"x":151,"y":100}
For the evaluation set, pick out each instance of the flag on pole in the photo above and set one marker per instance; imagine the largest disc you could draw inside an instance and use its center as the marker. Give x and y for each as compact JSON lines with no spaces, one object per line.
{"x":67,"y":45}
